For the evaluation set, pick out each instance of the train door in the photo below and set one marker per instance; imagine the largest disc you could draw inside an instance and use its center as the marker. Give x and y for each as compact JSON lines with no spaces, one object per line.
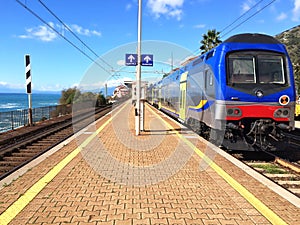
{"x":182,"y":100}
{"x":154,"y":96}
{"x":159,"y":97}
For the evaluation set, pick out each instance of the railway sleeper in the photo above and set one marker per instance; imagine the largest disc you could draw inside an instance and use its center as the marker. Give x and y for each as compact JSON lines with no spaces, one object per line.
{"x":23,"y":154}
{"x":16,"y":158}
{"x":9,"y":163}
{"x":5,"y":169}
{"x":32,"y":151}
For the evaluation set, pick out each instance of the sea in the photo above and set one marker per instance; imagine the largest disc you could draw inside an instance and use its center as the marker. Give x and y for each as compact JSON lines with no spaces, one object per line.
{"x":19,"y":101}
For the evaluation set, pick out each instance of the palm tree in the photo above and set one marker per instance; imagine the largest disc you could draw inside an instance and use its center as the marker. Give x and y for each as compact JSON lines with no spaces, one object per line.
{"x":210,"y":40}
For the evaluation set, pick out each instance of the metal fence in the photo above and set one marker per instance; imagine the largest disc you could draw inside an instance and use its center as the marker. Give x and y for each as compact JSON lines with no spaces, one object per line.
{"x":14,"y":119}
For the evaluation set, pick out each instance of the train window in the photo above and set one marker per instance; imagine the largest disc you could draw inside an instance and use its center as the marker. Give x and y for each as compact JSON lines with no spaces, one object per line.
{"x":256,"y":67}
{"x":211,"y":80}
{"x":205,"y":79}
{"x":241,"y":69}
{"x":197,"y":61}
{"x":209,"y":83}
{"x":210,"y":54}
{"x":271,"y":69}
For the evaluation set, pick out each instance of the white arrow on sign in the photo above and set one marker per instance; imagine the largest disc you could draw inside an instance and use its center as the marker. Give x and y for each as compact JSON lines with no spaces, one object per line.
{"x":147,"y":59}
{"x":131,"y":58}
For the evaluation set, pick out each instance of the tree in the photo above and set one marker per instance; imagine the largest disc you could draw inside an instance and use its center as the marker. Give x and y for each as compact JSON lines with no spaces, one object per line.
{"x":67,"y":96}
{"x":210,"y":40}
{"x":75,"y":96}
{"x":101,"y":99}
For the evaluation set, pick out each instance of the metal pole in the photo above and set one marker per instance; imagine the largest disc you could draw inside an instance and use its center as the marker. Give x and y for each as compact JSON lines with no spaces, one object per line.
{"x":30,"y":110}
{"x":138,"y":72}
{"x":142,"y":109}
{"x":105,"y":90}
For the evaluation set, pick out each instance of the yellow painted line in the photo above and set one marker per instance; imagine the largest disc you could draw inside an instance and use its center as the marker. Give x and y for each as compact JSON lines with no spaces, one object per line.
{"x":10,"y":213}
{"x":255,"y":202}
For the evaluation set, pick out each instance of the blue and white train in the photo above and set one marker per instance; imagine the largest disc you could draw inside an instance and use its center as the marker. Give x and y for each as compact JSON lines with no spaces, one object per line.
{"x":240,"y":94}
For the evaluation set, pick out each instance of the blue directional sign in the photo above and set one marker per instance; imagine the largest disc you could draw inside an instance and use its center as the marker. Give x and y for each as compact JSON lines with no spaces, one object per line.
{"x":147,"y":60}
{"x":131,"y":59}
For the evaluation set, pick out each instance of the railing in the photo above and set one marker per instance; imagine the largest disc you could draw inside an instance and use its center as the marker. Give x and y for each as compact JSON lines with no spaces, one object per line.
{"x":14,"y":119}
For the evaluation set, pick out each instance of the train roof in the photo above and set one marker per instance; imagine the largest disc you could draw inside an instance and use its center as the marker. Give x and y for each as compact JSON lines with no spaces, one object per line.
{"x":252,"y":38}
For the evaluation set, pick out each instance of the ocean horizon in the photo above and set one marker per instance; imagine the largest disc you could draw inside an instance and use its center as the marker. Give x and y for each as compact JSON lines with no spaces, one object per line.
{"x":19,"y":101}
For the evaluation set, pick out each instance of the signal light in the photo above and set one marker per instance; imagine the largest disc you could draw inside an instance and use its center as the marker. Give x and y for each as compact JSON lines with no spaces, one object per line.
{"x":234,"y":112}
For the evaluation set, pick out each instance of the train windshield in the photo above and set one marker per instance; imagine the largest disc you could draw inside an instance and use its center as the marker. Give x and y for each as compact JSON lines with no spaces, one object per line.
{"x":255,"y":68}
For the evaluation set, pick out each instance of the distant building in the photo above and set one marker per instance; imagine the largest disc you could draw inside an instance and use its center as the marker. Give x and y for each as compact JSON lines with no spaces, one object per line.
{"x":121,"y":91}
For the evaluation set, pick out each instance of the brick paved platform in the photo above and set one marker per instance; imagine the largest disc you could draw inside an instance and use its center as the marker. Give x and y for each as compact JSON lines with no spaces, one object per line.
{"x":107,"y":175}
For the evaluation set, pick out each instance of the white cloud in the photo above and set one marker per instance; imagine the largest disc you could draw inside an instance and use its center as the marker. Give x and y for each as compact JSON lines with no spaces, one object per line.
{"x":121,"y":62}
{"x":84,"y":31}
{"x":46,"y":34}
{"x":199,"y":26}
{"x":51,"y":87}
{"x":169,"y":8}
{"x":128,"y":6}
{"x":115,"y":82}
{"x":282,"y":16}
{"x":42,"y":32}
{"x":296,"y":11}
{"x":247,"y":5}
{"x":7,"y":85}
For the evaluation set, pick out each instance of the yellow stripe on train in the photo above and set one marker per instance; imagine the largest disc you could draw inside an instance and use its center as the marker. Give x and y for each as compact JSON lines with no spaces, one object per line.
{"x":200,"y":105}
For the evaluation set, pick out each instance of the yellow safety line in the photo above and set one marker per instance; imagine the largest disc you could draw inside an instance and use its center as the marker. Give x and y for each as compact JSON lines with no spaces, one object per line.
{"x":9,"y":214}
{"x":256,"y":203}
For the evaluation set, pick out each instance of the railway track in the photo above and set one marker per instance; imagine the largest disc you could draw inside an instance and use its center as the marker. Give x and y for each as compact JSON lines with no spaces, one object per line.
{"x":282,"y":168}
{"x":20,"y":150}
{"x":285,"y":172}
{"x":294,"y":138}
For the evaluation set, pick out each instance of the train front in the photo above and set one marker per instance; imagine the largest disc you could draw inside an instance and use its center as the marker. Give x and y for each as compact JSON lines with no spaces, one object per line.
{"x":259,"y":92}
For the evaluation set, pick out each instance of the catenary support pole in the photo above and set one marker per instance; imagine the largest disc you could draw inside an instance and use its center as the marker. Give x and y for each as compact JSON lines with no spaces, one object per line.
{"x":138,"y":72}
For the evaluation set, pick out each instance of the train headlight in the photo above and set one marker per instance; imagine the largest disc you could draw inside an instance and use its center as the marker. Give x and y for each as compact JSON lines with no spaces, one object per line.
{"x":259,"y":93}
{"x":282,"y":113}
{"x":286,"y":112}
{"x":278,"y":112}
{"x":229,"y":111}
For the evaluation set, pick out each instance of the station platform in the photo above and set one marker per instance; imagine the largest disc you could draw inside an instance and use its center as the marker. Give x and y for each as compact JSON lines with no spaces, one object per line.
{"x":105,"y":174}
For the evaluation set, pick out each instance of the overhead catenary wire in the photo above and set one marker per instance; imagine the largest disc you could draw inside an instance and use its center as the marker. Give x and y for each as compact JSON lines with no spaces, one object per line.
{"x":66,"y":39}
{"x":246,"y":12}
{"x":71,"y":31}
{"x":244,"y":21}
{"x":238,"y":18}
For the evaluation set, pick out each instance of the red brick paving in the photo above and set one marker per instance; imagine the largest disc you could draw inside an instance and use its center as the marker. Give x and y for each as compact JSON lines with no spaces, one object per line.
{"x":151,"y":179}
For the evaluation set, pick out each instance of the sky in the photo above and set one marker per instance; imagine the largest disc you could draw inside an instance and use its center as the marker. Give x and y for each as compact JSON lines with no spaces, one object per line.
{"x":104,"y":31}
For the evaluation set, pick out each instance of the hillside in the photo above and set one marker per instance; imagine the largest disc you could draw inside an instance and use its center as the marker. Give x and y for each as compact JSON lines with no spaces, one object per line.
{"x":291,"y":39}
